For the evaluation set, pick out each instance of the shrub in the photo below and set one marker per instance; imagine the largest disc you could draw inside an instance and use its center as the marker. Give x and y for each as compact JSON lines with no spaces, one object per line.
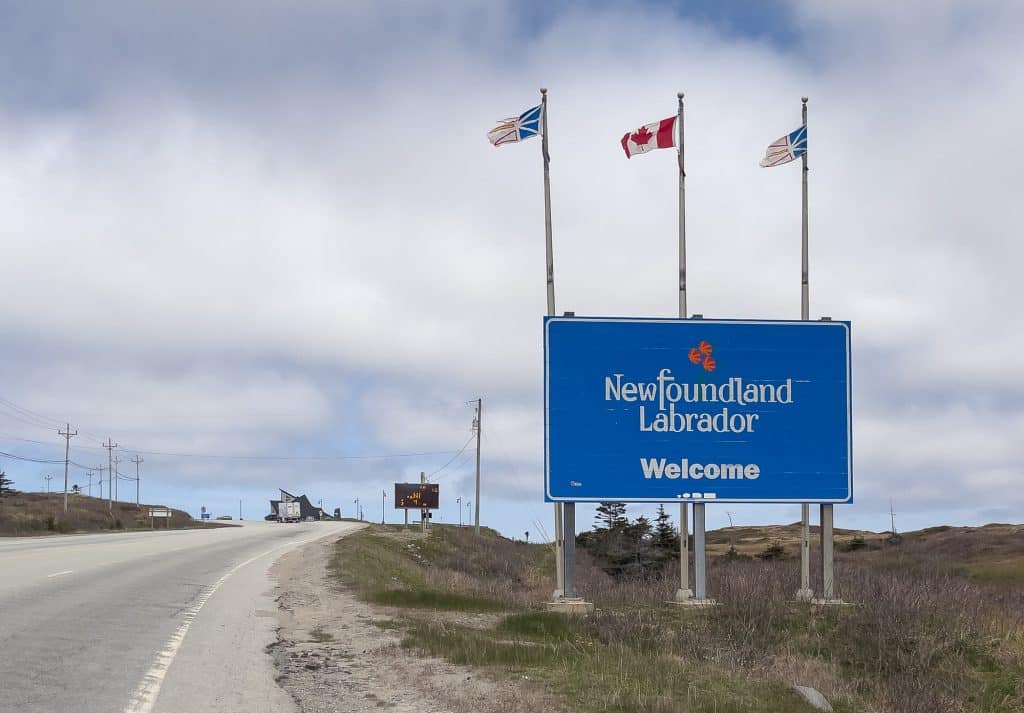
{"x":772,"y":552}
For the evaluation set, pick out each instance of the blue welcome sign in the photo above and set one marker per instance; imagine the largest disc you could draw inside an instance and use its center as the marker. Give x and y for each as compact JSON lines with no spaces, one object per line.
{"x":655,"y":410}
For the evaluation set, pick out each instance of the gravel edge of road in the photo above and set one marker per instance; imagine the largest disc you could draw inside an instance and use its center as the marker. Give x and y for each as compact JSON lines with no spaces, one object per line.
{"x":337,"y":654}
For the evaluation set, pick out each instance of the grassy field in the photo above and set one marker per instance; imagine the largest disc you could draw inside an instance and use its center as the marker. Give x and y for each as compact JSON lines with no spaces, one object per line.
{"x":42,"y":514}
{"x":920,"y":639}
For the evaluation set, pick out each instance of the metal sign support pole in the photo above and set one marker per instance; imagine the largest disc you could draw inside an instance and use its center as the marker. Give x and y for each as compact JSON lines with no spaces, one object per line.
{"x":569,"y":549}
{"x":827,"y":574}
{"x":699,"y":561}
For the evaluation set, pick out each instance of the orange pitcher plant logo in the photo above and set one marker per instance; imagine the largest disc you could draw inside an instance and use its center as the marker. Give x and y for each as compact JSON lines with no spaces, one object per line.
{"x":701,"y":354}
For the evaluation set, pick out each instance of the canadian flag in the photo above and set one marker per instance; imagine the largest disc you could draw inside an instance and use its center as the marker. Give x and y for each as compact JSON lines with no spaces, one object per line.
{"x":659,"y":135}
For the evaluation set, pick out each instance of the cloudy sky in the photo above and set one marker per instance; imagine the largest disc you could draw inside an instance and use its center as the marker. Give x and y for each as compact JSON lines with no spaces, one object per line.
{"x":276,"y":230}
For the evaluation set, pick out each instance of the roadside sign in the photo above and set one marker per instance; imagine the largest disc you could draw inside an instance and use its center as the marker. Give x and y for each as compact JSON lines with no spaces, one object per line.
{"x":417,"y":496}
{"x":205,"y":516}
{"x":159,"y":512}
{"x":656,"y":410}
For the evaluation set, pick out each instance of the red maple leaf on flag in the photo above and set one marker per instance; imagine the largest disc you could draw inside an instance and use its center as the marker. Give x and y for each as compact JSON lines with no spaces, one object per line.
{"x":641,"y":136}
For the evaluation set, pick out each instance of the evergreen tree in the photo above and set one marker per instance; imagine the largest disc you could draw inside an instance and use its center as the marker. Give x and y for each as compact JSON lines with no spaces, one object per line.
{"x":5,"y":485}
{"x":640,"y":531}
{"x":666,"y":539}
{"x":611,"y":516}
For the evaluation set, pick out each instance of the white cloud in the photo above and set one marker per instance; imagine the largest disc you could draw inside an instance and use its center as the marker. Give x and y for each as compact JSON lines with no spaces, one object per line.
{"x":326,"y":245}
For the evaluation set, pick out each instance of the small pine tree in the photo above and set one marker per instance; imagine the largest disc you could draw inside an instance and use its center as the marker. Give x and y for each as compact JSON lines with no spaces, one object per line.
{"x":5,"y":485}
{"x":611,"y":516}
{"x":666,"y":539}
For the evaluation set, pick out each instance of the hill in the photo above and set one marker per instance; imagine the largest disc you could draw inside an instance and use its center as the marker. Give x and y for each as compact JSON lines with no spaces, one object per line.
{"x":42,"y":513}
{"x":923,"y":633}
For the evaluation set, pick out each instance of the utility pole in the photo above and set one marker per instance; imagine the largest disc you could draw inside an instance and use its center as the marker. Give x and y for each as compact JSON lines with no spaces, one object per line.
{"x":67,"y":448}
{"x":892,"y":515}
{"x":138,"y":460}
{"x":89,"y":475}
{"x":110,"y":446}
{"x":47,"y":478}
{"x":383,"y":497}
{"x":117,"y":474}
{"x":458,"y":501}
{"x":477,"y":426}
{"x":101,"y":468}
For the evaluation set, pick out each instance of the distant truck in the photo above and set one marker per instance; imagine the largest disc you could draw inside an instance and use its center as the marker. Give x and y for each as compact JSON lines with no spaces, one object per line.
{"x":289,"y":511}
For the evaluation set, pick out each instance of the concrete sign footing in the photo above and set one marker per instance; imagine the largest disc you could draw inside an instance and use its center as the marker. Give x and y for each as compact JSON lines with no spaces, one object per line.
{"x":831,"y":603}
{"x":574,"y":606}
{"x":683,"y":595}
{"x":805,"y":595}
{"x":693,"y":603}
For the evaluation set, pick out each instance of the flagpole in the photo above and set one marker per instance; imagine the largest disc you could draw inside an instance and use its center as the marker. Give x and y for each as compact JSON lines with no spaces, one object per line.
{"x":825,"y":512}
{"x":684,"y":592}
{"x":550,"y":265}
{"x":805,"y":593}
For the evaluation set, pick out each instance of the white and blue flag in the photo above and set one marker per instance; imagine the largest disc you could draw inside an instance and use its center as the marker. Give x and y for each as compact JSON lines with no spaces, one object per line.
{"x":789,"y":147}
{"x":517,"y":128}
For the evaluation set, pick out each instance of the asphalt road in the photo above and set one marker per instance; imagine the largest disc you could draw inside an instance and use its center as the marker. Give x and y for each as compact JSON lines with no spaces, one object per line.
{"x":162,"y":622}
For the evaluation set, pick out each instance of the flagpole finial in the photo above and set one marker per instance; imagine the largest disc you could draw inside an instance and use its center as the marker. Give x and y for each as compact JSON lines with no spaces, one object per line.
{"x":543,"y":90}
{"x":679,"y":95}
{"x":803,"y":99}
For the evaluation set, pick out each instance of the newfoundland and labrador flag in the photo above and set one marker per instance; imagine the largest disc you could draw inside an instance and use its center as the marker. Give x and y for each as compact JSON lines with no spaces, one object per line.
{"x":789,"y":147}
{"x":659,"y":135}
{"x":516,"y":128}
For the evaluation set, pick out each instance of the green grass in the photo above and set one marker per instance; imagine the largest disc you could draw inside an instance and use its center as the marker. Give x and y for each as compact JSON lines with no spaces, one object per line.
{"x":544,"y":626}
{"x":1007,"y":571}
{"x":429,"y":599}
{"x":597,"y":677}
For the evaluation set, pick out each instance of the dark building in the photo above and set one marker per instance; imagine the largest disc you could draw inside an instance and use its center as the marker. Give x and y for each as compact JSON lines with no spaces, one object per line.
{"x":307,"y":510}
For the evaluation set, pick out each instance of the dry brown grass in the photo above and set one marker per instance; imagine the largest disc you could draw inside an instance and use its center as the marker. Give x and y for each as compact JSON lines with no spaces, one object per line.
{"x":918,"y":638}
{"x":42,"y":513}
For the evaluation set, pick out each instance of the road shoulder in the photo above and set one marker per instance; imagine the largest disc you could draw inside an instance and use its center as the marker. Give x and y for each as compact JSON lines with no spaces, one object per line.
{"x":337,"y":654}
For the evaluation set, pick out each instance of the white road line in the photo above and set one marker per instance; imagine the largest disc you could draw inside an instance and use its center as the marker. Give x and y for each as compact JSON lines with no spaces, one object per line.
{"x":60,"y":574}
{"x":145,"y":695}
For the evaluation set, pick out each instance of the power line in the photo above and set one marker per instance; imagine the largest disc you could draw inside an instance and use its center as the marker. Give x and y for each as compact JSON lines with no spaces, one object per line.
{"x":38,"y":420}
{"x":28,"y":460}
{"x":457,"y":468}
{"x":41,"y":420}
{"x":237,"y":456}
{"x":457,"y":454}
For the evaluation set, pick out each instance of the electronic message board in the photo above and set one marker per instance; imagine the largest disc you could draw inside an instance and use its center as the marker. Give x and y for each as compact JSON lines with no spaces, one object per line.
{"x":417,"y":496}
{"x":656,"y":410}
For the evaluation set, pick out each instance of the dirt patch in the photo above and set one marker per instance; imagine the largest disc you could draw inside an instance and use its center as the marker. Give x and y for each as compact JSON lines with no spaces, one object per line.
{"x":336,"y":654}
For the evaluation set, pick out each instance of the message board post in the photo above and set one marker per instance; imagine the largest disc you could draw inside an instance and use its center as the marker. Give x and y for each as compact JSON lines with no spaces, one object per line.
{"x":662,"y":410}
